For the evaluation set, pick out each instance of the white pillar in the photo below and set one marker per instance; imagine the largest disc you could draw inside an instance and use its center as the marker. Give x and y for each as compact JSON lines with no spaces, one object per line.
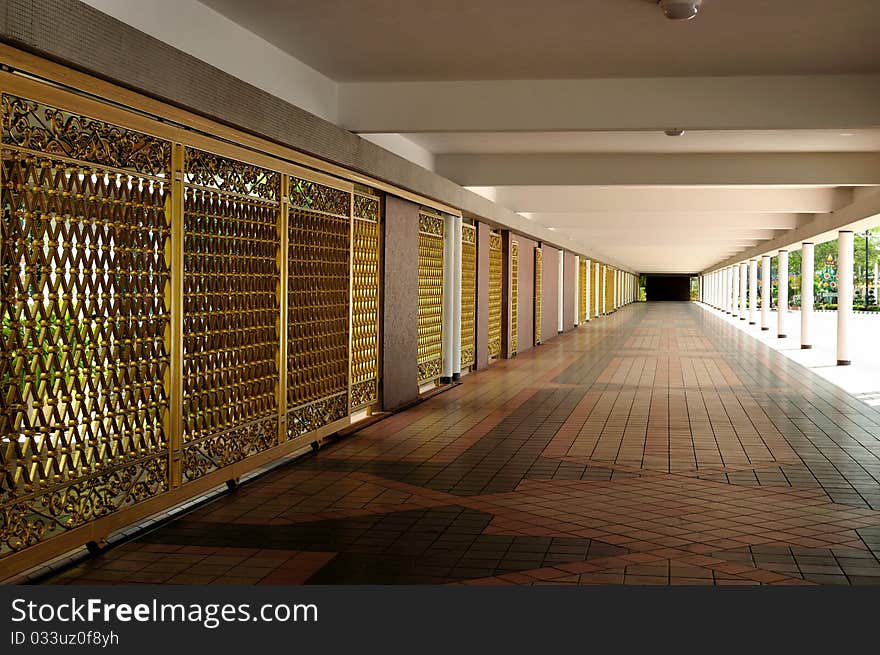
{"x":577,"y":290}
{"x":807,"y":266}
{"x":456,"y":305}
{"x":753,"y":291}
{"x":743,"y":288}
{"x":765,"y":292}
{"x":448,"y":328}
{"x":844,"y":295}
{"x":560,"y":293}
{"x":597,"y":291}
{"x":782,"y":293}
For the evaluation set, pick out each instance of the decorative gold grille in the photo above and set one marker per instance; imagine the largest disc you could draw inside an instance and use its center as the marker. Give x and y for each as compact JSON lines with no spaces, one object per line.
{"x":84,"y":319}
{"x":583,"y":290}
{"x":495,"y":248}
{"x":539,"y":272}
{"x":468,"y":293}
{"x":514,"y":294}
{"x":430,"y":296}
{"x":609,"y":289}
{"x":319,"y":235}
{"x":597,"y":290}
{"x":230,"y":311}
{"x":365,"y":302}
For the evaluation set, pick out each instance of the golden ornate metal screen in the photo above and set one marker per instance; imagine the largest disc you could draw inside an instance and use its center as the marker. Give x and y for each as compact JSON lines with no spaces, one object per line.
{"x":85,"y":320}
{"x":495,"y":288}
{"x":175,"y":312}
{"x":539,"y":272}
{"x":609,"y":289}
{"x":468,"y":293}
{"x":365,"y":302}
{"x":583,"y":290}
{"x":514,"y":295}
{"x":231,"y":279}
{"x":430,"y":296}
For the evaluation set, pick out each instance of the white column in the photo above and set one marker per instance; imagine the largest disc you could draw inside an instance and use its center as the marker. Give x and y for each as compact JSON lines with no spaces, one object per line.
{"x":753,"y":291}
{"x":577,"y":290}
{"x":597,"y":292}
{"x":448,"y":327}
{"x":586,"y":290}
{"x":782,"y":293}
{"x":765,"y":292}
{"x":844,"y":295}
{"x":807,"y":267}
{"x":743,"y":288}
{"x":456,"y":305}
{"x":560,"y":292}
{"x":734,"y":290}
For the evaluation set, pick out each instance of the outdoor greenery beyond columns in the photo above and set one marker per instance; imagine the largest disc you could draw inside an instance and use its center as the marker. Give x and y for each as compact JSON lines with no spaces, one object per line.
{"x":782,"y":293}
{"x":766,"y":296}
{"x":807,"y":266}
{"x":844,"y":295}
{"x":753,"y":291}
{"x":734,"y":289}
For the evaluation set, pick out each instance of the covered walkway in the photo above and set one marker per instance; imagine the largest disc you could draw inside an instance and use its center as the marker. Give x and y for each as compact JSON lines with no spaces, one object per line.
{"x":659,"y":446}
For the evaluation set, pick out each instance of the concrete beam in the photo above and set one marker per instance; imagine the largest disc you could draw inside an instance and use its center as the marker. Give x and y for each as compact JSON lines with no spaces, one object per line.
{"x":717,"y":169}
{"x":718,"y":221}
{"x":552,"y":199}
{"x":706,"y":103}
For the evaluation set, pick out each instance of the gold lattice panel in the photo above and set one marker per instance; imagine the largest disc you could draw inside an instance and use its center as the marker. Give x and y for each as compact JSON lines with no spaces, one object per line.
{"x":596,"y":298}
{"x":583,"y":290}
{"x":539,"y":273}
{"x":430,"y":296}
{"x":514,"y":296}
{"x":365,"y":301}
{"x":84,"y":319}
{"x":468,"y":293}
{"x":318,"y":260}
{"x":609,"y":289}
{"x":231,"y":213}
{"x":495,"y":259}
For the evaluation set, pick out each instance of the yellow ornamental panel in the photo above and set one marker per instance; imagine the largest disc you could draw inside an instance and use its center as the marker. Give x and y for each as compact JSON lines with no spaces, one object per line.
{"x":495,"y":260}
{"x":583,"y":290}
{"x":468,"y":293}
{"x":230,"y":311}
{"x":85,"y":320}
{"x":318,"y":261}
{"x":539,"y":271}
{"x":514,"y":295}
{"x":365,"y":302}
{"x":430,"y":296}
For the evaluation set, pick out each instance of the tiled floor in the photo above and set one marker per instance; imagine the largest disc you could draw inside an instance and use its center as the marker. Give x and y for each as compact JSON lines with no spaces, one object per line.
{"x":659,"y":445}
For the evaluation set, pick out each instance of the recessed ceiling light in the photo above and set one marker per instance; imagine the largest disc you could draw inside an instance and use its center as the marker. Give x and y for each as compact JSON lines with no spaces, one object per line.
{"x":847,"y":134}
{"x":674,"y":131}
{"x":680,"y":9}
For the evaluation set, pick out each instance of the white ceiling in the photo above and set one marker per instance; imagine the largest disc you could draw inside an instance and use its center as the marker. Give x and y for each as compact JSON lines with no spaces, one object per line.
{"x":371,"y":40}
{"x":565,"y":123}
{"x":700,"y":141}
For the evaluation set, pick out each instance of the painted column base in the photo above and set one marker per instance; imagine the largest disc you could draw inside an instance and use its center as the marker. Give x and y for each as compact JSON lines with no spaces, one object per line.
{"x":751,"y":323}
{"x":844,"y":362}
{"x":781,"y":336}
{"x":805,"y":346}
{"x":765,"y":329}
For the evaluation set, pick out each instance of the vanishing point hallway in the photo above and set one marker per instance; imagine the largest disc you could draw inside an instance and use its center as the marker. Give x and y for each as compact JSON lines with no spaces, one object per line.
{"x":657,"y":446}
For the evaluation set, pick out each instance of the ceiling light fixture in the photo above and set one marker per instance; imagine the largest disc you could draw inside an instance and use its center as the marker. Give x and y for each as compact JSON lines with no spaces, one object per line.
{"x":680,"y":9}
{"x":673,"y":131}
